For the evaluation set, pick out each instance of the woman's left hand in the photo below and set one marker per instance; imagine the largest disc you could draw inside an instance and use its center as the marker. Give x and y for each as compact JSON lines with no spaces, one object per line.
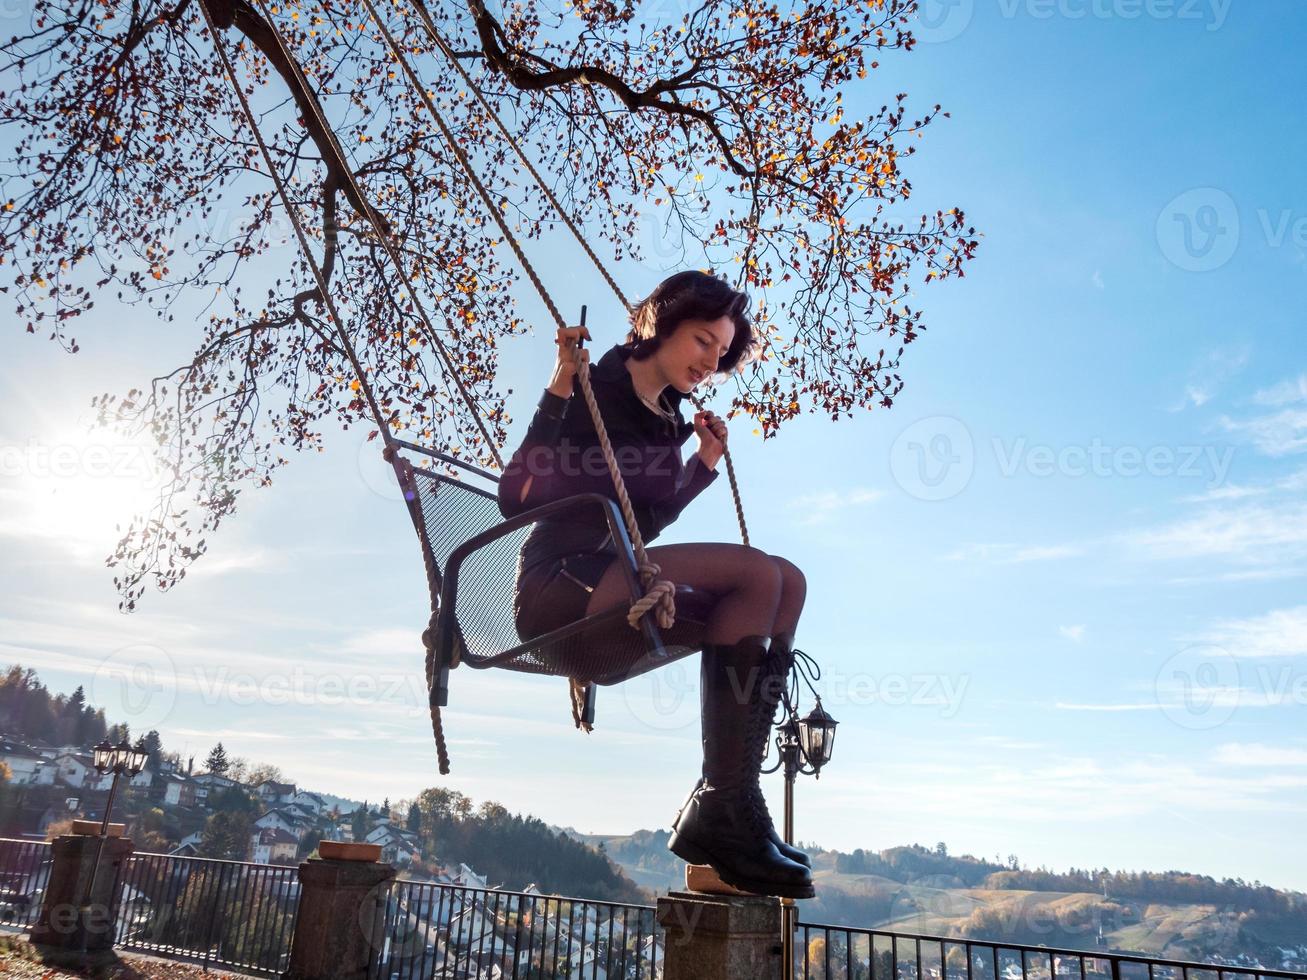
{"x":711,"y":430}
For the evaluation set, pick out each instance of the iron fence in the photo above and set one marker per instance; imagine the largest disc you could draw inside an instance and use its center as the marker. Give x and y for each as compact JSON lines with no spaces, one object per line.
{"x":824,"y":952}
{"x":226,"y":913}
{"x":24,"y":872}
{"x":429,"y":930}
{"x":241,"y":916}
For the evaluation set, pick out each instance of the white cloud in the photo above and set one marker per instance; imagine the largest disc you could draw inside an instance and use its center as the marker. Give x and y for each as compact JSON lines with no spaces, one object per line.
{"x":210,"y":733}
{"x":1097,"y":279}
{"x":1294,"y":390}
{"x":1281,"y":434}
{"x":1279,"y":633}
{"x":1208,"y":374}
{"x":1008,"y":554}
{"x":1130,"y":706}
{"x":1257,"y":754}
{"x":1068,"y":789}
{"x":815,"y":508}
{"x":1254,"y":534}
{"x":384,"y":643}
{"x":1290,"y":483}
{"x":1076,"y":633}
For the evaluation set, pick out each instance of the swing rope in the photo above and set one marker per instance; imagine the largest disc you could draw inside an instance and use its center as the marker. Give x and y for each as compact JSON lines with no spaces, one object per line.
{"x":442,"y":750}
{"x":659,"y":593}
{"x":387,"y":242}
{"x":438,"y":39}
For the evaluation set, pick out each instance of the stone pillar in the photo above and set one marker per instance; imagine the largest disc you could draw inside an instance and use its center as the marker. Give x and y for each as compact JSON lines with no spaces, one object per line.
{"x":63,"y":920}
{"x":726,"y":937}
{"x":340,"y":913}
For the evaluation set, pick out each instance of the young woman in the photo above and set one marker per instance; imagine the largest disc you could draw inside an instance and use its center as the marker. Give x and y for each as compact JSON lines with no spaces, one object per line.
{"x":692,"y":326}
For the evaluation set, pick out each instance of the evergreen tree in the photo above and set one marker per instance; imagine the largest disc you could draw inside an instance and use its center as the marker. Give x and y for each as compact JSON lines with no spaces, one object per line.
{"x":73,"y":723}
{"x":96,"y":728}
{"x":360,"y":822}
{"x":414,"y":820}
{"x":152,"y":746}
{"x":226,"y":835}
{"x":217,"y":762}
{"x":385,"y":807}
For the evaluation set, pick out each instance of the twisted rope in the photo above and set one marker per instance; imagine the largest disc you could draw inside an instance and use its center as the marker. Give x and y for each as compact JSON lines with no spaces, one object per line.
{"x":438,"y":39}
{"x":659,"y":595}
{"x":387,"y":243}
{"x":656,"y":598}
{"x":337,"y":322}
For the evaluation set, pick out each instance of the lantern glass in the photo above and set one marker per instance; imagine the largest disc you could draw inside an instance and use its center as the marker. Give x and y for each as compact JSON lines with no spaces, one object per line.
{"x":122,"y":756}
{"x":817,"y":732}
{"x":102,"y":755}
{"x":139,"y":758}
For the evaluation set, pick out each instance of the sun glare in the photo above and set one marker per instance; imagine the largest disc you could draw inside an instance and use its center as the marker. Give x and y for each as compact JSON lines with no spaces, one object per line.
{"x":78,"y":486}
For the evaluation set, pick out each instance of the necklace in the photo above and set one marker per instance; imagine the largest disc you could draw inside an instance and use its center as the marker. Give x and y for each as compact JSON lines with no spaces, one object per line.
{"x":658,"y":408}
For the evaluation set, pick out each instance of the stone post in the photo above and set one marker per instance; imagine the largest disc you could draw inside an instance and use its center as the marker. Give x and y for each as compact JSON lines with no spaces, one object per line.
{"x":339,"y":919}
{"x":726,"y":937}
{"x":63,"y":920}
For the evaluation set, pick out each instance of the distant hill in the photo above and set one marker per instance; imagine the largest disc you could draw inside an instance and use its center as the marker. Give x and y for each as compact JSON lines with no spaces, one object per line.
{"x":914,"y":889}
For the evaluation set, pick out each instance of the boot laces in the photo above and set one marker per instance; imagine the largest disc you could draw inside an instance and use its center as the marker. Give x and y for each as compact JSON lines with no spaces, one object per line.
{"x":759,"y":725}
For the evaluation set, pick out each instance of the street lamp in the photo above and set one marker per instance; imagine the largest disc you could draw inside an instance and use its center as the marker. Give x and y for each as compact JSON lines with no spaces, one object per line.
{"x":803,"y":745}
{"x":120,"y":759}
{"x":817,"y":737}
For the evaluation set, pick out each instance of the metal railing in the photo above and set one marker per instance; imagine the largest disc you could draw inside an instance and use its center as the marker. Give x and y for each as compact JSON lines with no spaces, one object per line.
{"x":824,"y":952}
{"x":241,"y":916}
{"x":223,"y":913}
{"x":431,"y":930}
{"x":24,"y":872}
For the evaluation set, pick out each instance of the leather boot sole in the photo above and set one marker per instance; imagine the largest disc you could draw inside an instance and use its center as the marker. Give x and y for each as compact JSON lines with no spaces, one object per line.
{"x":787,"y":850}
{"x":692,"y":853}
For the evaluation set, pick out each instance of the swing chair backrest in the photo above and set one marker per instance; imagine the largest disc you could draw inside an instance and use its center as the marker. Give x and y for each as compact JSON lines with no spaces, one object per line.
{"x":448,"y":512}
{"x":471,"y":554}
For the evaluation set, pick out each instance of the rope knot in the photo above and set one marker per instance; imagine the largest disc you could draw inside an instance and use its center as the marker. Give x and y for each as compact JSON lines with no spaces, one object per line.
{"x":659,"y":596}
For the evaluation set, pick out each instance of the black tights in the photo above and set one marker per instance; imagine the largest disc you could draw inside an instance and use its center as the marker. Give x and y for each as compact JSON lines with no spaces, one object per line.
{"x":758,"y":594}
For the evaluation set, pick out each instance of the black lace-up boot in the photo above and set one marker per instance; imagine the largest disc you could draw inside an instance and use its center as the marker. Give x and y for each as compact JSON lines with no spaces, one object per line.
{"x":779,"y":662}
{"x":725,"y":822}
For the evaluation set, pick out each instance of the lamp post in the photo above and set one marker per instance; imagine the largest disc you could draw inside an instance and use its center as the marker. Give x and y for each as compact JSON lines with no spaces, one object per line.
{"x":803,"y":745}
{"x":120,"y":759}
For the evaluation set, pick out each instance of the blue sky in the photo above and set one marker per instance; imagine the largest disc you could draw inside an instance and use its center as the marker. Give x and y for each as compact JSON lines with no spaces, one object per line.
{"x":1057,"y":590}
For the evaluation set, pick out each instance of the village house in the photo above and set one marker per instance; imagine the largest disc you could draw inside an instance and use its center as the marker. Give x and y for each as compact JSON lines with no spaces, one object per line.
{"x":210,"y":782}
{"x":178,"y":790}
{"x":272,"y":792}
{"x":312,"y":802}
{"x":78,"y":769}
{"x":397,"y":846}
{"x":28,"y":766}
{"x":281,"y":820}
{"x":189,"y":846}
{"x":273,"y":846}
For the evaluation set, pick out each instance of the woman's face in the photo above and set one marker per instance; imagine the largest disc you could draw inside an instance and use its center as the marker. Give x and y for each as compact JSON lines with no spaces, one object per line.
{"x":691,"y":353}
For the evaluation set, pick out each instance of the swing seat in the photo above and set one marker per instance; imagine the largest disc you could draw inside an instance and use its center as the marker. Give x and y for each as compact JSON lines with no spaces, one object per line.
{"x":471,"y":557}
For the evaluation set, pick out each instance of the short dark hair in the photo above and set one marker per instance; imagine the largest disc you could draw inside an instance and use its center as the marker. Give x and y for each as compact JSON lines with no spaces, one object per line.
{"x":691,"y":295}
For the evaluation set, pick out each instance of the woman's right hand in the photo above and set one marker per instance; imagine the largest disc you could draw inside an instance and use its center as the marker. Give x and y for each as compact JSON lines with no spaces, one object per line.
{"x":564,"y":377}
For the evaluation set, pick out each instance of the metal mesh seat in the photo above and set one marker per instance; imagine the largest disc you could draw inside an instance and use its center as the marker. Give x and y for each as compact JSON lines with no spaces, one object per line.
{"x":471,"y":556}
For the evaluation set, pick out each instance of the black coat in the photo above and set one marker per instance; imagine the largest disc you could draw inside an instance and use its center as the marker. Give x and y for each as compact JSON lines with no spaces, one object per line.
{"x":560,"y":457}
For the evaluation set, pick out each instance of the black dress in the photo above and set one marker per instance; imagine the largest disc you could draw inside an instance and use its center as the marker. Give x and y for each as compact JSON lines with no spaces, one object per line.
{"x":563,"y":559}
